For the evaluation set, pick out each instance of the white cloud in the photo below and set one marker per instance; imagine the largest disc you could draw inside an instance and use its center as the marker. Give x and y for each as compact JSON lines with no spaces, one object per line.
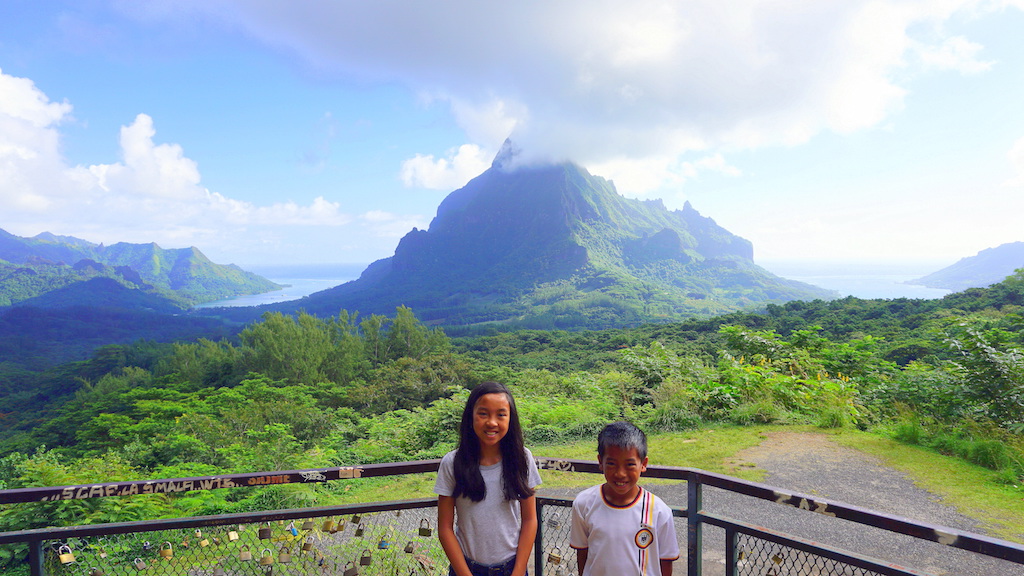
{"x":461,"y":165}
{"x":956,"y":53}
{"x":154,"y":194}
{"x":604,"y":81}
{"x":389,"y":225}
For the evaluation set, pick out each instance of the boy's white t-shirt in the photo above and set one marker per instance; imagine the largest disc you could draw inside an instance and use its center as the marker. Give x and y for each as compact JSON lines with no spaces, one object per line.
{"x":623,"y":541}
{"x":488,"y":530}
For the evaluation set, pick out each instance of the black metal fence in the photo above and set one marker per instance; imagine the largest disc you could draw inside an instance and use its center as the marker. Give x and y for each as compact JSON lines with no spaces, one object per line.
{"x":399,"y":537}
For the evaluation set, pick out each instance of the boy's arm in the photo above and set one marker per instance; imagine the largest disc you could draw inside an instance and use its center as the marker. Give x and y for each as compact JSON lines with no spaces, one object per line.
{"x":666,"y":567}
{"x":581,"y":559}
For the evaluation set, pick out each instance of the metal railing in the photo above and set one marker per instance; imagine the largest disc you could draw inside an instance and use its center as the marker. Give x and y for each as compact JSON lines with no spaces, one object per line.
{"x":398,"y":537}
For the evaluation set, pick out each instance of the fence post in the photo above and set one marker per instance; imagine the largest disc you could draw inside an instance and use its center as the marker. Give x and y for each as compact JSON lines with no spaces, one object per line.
{"x":538,"y":542}
{"x":731,"y":555}
{"x":35,"y":558}
{"x":694,"y":527}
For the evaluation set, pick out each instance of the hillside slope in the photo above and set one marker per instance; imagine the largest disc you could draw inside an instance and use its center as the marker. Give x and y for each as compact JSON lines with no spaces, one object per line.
{"x":985,"y":268}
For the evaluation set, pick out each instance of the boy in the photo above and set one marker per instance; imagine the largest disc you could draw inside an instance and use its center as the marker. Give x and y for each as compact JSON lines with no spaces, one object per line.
{"x":618,"y":528}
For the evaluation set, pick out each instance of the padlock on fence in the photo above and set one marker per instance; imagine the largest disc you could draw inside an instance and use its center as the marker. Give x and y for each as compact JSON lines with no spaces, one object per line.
{"x":384,"y":543}
{"x":356,"y":518}
{"x":308,"y":544}
{"x":351,"y":569}
{"x":360,"y":530}
{"x":184,"y":542}
{"x":266,"y":557}
{"x":292,"y":529}
{"x":329,"y":525}
{"x":140,"y":564}
{"x":103,"y":553}
{"x":425,"y":527}
{"x":264,"y":532}
{"x":410,"y":548}
{"x":366,"y":558}
{"x":245,"y":554}
{"x":204,"y":542}
{"x":96,"y":572}
{"x":65,"y":554}
{"x":284,"y":556}
{"x":308,"y":525}
{"x":219,"y":571}
{"x":147,"y":546}
{"x":166,"y":551}
{"x":232,"y":535}
{"x":555,"y":556}
{"x":339,"y":525}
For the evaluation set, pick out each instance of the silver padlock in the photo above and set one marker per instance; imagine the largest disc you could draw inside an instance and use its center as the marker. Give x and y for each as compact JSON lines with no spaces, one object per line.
{"x":351,"y":569}
{"x":140,"y":564}
{"x":219,"y":571}
{"x":425,"y":527}
{"x":555,"y":556}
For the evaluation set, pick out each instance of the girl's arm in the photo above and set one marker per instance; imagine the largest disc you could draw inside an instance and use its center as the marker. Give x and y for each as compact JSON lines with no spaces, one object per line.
{"x":527,"y":534}
{"x":446,"y":534}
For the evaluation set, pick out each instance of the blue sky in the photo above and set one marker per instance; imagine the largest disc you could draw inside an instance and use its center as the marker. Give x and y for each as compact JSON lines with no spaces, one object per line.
{"x":322,"y":131}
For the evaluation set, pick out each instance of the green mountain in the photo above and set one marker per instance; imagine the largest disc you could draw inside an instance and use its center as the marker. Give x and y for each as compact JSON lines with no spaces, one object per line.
{"x":33,"y":267}
{"x":985,"y":268}
{"x":554,"y":246}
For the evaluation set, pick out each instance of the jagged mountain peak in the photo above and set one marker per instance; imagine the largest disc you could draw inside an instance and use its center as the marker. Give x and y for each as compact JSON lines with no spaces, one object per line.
{"x":553,"y":239}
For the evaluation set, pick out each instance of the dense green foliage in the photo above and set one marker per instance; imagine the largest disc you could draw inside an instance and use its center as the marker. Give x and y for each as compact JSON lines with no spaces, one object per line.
{"x":303,"y":391}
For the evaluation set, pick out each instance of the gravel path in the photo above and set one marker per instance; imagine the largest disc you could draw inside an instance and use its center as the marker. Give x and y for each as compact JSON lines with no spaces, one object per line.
{"x":813,"y":464}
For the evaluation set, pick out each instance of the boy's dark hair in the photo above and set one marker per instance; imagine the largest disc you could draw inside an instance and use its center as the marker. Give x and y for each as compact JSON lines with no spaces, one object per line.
{"x":514,"y":470}
{"x":622,"y":435}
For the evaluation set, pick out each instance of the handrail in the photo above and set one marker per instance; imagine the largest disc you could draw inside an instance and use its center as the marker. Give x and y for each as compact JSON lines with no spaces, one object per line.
{"x":695,"y":514}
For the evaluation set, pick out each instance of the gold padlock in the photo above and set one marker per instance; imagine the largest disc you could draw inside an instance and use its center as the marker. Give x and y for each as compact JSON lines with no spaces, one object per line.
{"x":409,"y":548}
{"x":366,"y":558}
{"x":232,"y":535}
{"x":266,"y":557}
{"x":555,"y":556}
{"x":165,"y":550}
{"x":353,"y":571}
{"x":96,"y":572}
{"x":307,"y":525}
{"x":264,"y":532}
{"x":329,"y":525}
{"x":425,"y":527}
{"x":140,"y":564}
{"x":245,"y":554}
{"x":184,"y":543}
{"x":65,"y":554}
{"x":308,"y":544}
{"x":284,"y":556}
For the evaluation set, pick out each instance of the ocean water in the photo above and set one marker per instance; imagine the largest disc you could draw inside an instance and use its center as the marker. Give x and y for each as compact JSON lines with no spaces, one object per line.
{"x":299,"y":280}
{"x":862,"y":279}
{"x":859,"y":279}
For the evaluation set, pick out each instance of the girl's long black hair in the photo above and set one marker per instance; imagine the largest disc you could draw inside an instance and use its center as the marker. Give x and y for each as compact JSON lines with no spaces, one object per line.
{"x":515,"y":472}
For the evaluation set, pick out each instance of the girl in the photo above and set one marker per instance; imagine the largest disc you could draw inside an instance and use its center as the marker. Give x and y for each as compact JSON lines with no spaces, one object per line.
{"x":488,"y":483}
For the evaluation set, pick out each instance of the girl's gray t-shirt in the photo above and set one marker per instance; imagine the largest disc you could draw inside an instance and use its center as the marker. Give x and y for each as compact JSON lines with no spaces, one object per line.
{"x":488,"y":530}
